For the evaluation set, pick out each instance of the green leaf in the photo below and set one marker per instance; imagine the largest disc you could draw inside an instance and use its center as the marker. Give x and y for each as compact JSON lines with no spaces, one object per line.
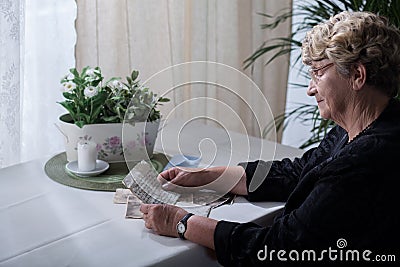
{"x":80,"y":124}
{"x":69,"y":96}
{"x":69,"y":107}
{"x":129,"y":81}
{"x":163,"y":99}
{"x":111,"y":119}
{"x":83,"y":72}
{"x":134,"y":75}
{"x":74,"y":72}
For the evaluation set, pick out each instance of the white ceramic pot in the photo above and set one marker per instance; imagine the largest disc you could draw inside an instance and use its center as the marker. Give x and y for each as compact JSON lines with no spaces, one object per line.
{"x":113,"y":140}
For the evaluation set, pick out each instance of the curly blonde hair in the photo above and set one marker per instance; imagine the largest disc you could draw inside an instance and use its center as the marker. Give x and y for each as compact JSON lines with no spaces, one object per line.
{"x":351,"y":38}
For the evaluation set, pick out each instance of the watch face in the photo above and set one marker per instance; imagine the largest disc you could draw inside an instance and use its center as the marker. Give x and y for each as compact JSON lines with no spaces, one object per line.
{"x":181,"y":228}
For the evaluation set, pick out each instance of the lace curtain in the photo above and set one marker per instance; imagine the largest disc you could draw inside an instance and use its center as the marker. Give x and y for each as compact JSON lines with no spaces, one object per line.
{"x":151,"y":35}
{"x":10,"y":95}
{"x":36,"y":50}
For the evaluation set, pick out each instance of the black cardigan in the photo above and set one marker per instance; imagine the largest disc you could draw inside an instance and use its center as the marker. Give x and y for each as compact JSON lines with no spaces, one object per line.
{"x":336,"y":191}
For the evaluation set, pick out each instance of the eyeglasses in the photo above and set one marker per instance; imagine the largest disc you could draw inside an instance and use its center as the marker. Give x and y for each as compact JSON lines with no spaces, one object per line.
{"x":316,"y":73}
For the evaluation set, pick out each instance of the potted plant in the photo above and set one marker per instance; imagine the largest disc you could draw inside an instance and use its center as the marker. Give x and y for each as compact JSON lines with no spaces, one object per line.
{"x":312,"y":13}
{"x":98,"y":111}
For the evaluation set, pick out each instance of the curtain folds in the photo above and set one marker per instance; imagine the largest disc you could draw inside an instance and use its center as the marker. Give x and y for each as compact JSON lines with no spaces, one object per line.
{"x":152,"y":35}
{"x":11,"y":27}
{"x":37,"y":49}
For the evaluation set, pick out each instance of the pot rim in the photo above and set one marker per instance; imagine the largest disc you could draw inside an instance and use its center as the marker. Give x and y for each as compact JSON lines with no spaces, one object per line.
{"x":66,"y":118}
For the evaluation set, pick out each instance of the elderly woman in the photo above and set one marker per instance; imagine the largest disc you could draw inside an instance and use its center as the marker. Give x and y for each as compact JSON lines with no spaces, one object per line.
{"x":343,"y":189}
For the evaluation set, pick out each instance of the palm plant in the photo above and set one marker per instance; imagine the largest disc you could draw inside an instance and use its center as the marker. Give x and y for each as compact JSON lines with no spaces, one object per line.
{"x":311,"y":13}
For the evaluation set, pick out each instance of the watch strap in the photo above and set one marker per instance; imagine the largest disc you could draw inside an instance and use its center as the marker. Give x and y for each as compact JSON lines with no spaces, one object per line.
{"x":184,"y":222}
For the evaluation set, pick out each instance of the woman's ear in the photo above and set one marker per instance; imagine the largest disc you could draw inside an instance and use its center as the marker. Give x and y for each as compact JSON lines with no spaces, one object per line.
{"x":359,"y":77}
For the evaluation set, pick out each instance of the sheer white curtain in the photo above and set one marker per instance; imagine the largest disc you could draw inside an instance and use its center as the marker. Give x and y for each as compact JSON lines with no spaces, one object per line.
{"x":151,"y":35}
{"x":11,"y":31}
{"x":37,"y":49}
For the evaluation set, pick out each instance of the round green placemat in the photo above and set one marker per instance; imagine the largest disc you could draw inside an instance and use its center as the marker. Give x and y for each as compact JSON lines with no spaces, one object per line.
{"x":107,"y":181}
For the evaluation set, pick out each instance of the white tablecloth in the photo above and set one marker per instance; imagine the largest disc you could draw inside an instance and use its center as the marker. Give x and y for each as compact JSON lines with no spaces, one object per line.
{"x":43,"y":223}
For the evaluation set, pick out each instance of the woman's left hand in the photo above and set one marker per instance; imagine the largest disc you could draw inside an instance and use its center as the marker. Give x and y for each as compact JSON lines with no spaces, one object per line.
{"x":162,"y":218}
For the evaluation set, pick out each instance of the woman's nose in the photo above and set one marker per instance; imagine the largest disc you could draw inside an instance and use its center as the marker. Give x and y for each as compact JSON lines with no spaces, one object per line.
{"x":311,"y":90}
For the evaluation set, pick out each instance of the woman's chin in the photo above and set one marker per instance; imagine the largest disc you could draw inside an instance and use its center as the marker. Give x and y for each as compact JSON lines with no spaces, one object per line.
{"x":324,"y":114}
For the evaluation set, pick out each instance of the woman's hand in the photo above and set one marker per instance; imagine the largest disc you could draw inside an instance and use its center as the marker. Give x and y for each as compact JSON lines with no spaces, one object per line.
{"x":162,"y":218}
{"x":232,"y":177}
{"x":187,"y":177}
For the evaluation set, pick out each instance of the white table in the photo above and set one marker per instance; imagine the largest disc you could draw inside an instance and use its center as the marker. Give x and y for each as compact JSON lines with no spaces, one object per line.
{"x":43,"y":223}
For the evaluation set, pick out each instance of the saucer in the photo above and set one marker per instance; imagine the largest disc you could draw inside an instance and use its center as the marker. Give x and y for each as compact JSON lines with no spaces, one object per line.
{"x":183,"y":161}
{"x":101,"y":166}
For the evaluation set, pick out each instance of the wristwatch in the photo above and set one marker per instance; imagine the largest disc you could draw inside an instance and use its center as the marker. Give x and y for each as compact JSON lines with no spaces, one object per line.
{"x":182,"y":225}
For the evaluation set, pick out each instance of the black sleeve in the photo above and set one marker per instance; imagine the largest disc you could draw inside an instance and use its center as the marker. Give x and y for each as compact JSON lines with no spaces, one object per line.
{"x":321,"y":219}
{"x":279,"y":177}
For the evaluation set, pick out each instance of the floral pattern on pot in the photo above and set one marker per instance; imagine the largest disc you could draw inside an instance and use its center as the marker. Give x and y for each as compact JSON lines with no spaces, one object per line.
{"x":142,"y":143}
{"x":84,"y":138}
{"x":112,"y":145}
{"x":137,"y":143}
{"x":87,"y":138}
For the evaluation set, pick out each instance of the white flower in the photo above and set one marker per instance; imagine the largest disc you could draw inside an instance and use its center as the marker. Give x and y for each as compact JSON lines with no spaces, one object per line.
{"x":92,"y":73}
{"x":90,"y":91}
{"x":116,"y":85}
{"x":70,"y":77}
{"x":68,"y":86}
